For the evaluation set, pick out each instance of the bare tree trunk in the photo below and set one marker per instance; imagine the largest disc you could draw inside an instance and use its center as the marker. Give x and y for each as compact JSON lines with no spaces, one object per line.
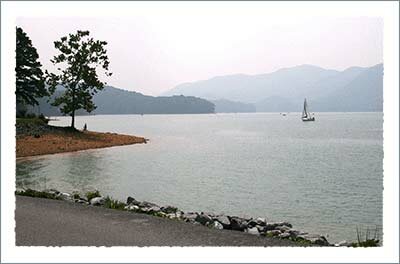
{"x":73,"y":119}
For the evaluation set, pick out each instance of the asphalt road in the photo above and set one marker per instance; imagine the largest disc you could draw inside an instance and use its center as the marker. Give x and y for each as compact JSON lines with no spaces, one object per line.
{"x":44,"y":222}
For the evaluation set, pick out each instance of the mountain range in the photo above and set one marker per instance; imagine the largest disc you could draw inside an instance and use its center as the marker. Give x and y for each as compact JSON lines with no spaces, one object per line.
{"x":113,"y":100}
{"x":353,"y":89}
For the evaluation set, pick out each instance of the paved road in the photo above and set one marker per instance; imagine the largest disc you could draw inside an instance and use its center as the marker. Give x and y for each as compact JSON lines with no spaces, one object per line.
{"x":43,"y":222}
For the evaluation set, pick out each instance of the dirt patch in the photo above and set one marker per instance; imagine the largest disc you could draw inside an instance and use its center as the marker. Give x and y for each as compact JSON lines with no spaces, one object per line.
{"x":50,"y":143}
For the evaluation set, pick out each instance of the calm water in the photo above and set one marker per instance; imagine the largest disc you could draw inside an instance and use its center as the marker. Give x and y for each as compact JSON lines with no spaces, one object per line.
{"x":323,"y":177}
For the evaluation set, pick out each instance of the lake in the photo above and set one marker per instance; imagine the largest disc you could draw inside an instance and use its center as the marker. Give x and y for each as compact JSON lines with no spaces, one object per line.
{"x":324,"y":177}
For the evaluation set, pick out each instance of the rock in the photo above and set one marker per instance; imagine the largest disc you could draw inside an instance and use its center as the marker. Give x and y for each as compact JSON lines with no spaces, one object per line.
{"x":223,"y":220}
{"x":216,"y":225}
{"x":97,"y":201}
{"x":315,"y":239}
{"x":190,"y":217}
{"x":238,"y":224}
{"x":284,"y":224}
{"x":273,"y":233}
{"x":80,"y":201}
{"x":154,"y":209}
{"x":284,"y":235}
{"x":146,"y":204}
{"x":261,"y":221}
{"x":131,"y":200}
{"x":179,"y":214}
{"x":252,"y":231}
{"x":261,"y":229}
{"x":131,"y":207}
{"x":282,"y":228}
{"x":169,"y":209}
{"x":343,"y":243}
{"x":52,"y":191}
{"x":171,"y":216}
{"x":203,"y":219}
{"x":252,"y":223}
{"x":65,"y":196}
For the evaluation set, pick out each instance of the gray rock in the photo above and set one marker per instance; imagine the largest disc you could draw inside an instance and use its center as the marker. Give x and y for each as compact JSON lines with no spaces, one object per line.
{"x":261,"y":229}
{"x":282,"y":228}
{"x":315,"y":239}
{"x":190,"y":217}
{"x":238,"y":223}
{"x":343,"y":243}
{"x":52,"y":191}
{"x":284,"y":235}
{"x":65,"y":196}
{"x":81,"y":201}
{"x":273,"y":233}
{"x":253,"y":231}
{"x":224,"y":221}
{"x":98,"y":201}
{"x":154,"y":209}
{"x":146,"y":204}
{"x":251,"y":223}
{"x":131,"y":207}
{"x":216,"y":225}
{"x":261,"y":221}
{"x":284,"y":224}
{"x":203,"y":219}
{"x":169,"y":209}
{"x":131,"y":200}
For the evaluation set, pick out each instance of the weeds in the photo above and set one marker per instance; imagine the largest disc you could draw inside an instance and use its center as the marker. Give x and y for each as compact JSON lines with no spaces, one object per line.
{"x":114,"y":204}
{"x":368,"y":242}
{"x":93,"y":194}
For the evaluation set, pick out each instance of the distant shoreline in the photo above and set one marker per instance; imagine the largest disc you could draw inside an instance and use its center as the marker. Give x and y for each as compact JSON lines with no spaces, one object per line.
{"x":34,"y":138}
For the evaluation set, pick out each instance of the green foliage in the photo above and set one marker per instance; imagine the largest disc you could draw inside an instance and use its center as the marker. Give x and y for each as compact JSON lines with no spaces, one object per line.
{"x":114,"y":204}
{"x":91,"y":195}
{"x":38,"y":194}
{"x":29,"y":77}
{"x":80,"y":56}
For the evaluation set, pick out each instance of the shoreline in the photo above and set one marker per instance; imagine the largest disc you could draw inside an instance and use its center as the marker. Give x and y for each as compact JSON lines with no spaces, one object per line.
{"x":35,"y":139}
{"x":258,"y":227}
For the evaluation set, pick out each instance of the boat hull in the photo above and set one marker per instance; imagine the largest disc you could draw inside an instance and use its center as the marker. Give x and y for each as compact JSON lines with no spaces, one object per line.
{"x":308,"y":119}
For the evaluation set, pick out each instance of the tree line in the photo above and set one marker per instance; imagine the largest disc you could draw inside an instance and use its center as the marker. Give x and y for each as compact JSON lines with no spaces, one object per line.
{"x":78,"y":60}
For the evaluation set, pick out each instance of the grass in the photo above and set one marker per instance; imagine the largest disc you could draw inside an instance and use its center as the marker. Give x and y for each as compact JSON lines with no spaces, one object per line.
{"x":93,"y":194}
{"x":368,"y":242}
{"x":114,"y":204}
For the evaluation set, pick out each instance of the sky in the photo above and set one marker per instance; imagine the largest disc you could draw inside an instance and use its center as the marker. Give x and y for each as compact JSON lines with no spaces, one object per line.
{"x":153,"y":50}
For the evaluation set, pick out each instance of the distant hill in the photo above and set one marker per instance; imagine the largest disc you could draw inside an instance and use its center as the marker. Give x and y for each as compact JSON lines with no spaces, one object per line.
{"x":285,"y":89}
{"x":364,"y":93}
{"x":112,"y":100}
{"x":226,"y":106}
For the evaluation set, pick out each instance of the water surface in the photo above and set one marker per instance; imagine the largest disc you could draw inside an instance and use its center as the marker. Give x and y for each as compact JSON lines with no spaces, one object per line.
{"x":324,"y":177}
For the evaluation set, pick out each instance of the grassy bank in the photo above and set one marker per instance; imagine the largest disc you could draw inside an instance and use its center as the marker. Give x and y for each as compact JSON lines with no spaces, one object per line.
{"x":35,"y":137}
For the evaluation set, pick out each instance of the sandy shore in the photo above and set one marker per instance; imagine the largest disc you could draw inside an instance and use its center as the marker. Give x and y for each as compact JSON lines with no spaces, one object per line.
{"x":50,"y":143}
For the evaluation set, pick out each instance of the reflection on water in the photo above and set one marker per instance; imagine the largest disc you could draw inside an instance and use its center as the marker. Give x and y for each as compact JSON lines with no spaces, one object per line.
{"x":74,"y":172}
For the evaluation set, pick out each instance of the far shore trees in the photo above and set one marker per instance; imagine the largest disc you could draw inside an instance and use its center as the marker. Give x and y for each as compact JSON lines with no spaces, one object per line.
{"x":30,"y":83}
{"x":77,"y":63}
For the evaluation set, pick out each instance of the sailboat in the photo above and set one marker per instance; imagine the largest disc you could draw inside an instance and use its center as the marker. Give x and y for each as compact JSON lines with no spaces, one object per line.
{"x":306,"y":116}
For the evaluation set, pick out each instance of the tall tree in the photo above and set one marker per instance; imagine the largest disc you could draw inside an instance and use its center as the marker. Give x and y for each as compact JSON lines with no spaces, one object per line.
{"x":78,"y":61}
{"x":30,"y":83}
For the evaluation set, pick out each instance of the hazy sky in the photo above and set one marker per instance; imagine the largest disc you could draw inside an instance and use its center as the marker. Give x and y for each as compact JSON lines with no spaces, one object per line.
{"x":151,"y":51}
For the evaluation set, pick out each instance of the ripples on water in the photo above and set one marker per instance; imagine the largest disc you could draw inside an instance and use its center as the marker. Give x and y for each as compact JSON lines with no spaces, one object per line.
{"x":324,"y":177}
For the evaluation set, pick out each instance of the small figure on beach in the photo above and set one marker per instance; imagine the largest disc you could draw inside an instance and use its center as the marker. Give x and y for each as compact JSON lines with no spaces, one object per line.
{"x":85,"y":127}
